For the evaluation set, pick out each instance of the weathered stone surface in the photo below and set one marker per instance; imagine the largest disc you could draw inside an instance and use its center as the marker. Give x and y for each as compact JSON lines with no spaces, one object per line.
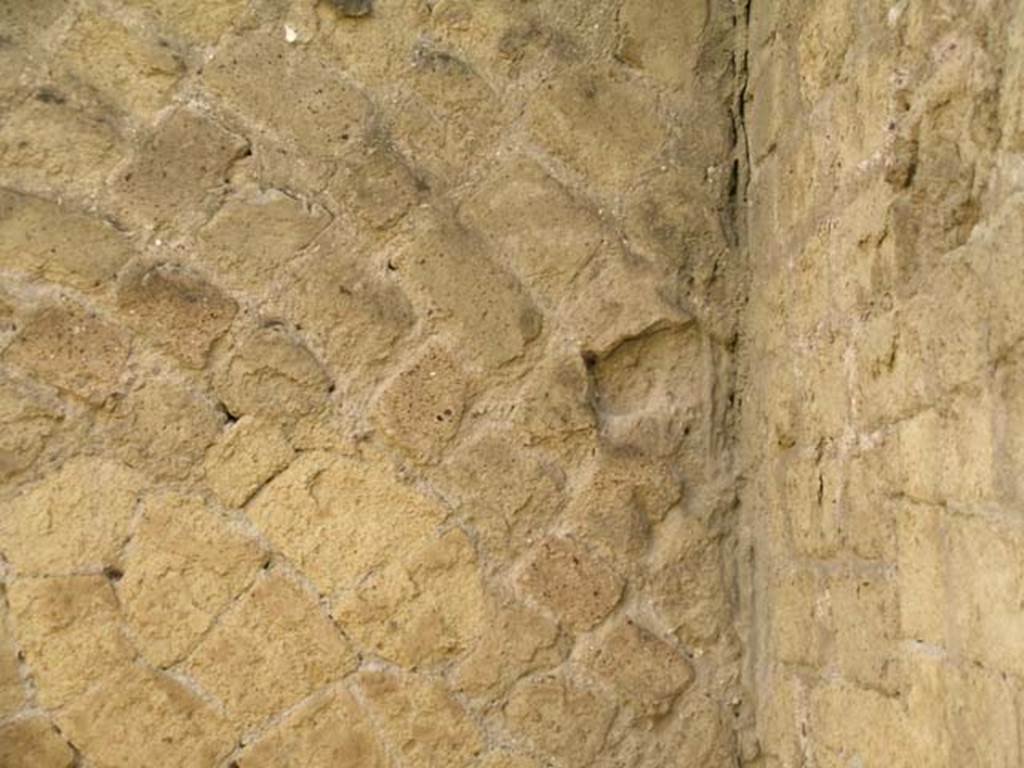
{"x":656,"y":674}
{"x":421,"y":407}
{"x":579,"y":587}
{"x":331,"y":730}
{"x":339,"y":519}
{"x":545,"y":234}
{"x":203,"y":21}
{"x":269,"y":651}
{"x":69,"y":346}
{"x":423,"y":607}
{"x":249,"y":240}
{"x":248,"y":455}
{"x":271,"y":374}
{"x":457,"y":277}
{"x":379,"y":186}
{"x":133,"y":73}
{"x":33,"y":742}
{"x":662,"y":39}
{"x":178,"y":309}
{"x":180,"y":169}
{"x":514,"y":642}
{"x":76,"y":518}
{"x":421,"y":724}
{"x":29,"y":416}
{"x":69,"y":629}
{"x":12,"y":689}
{"x":48,"y":141}
{"x":561,"y":719}
{"x":58,"y":244}
{"x":165,"y":427}
{"x":158,"y":720}
{"x":508,"y":494}
{"x":184,"y":565}
{"x":602,"y":122}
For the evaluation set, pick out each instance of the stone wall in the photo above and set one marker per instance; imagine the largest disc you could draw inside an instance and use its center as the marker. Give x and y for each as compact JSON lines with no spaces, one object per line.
{"x":367,"y":383}
{"x":883,"y":382}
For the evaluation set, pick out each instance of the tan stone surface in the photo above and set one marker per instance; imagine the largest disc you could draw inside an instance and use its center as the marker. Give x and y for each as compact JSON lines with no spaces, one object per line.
{"x":270,"y":650}
{"x":331,"y":730}
{"x":184,"y":565}
{"x":33,"y":742}
{"x":69,"y":629}
{"x":566,"y":383}
{"x":247,"y":456}
{"x":78,"y":517}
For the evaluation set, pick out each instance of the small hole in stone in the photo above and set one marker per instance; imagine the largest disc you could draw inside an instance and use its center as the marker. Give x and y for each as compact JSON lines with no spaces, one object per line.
{"x":112,"y":573}
{"x":589,"y":358}
{"x":391,"y":266}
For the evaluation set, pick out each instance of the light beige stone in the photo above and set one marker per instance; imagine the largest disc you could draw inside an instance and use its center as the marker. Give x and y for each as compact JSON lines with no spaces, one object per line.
{"x":424,"y":607}
{"x":67,"y":345}
{"x":421,"y":724}
{"x":270,"y":650}
{"x":159,"y":721}
{"x":331,"y":730}
{"x":69,"y":629}
{"x":561,"y":719}
{"x":248,"y":455}
{"x":183,"y":567}
{"x":340,"y":519}
{"x":178,"y":309}
{"x":12,"y":689}
{"x":78,"y":517}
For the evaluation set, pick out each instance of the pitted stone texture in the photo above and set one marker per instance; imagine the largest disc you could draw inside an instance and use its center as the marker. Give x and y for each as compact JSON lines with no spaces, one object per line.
{"x":246,"y":457}
{"x":515,"y":641}
{"x":580,"y":588}
{"x":69,"y":346}
{"x":181,"y":168}
{"x":339,"y":519}
{"x":420,"y":722}
{"x":59,"y":244}
{"x":508,"y":494}
{"x":272,"y":648}
{"x":424,"y":607}
{"x":380,"y":186}
{"x":76,"y":518}
{"x":165,"y":427}
{"x":184,"y":565}
{"x":158,"y":720}
{"x":561,"y":719}
{"x":421,"y":407}
{"x":53,"y":142}
{"x":655,"y":674}
{"x":331,"y":730}
{"x":33,"y":742}
{"x":69,"y":629}
{"x":178,"y":309}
